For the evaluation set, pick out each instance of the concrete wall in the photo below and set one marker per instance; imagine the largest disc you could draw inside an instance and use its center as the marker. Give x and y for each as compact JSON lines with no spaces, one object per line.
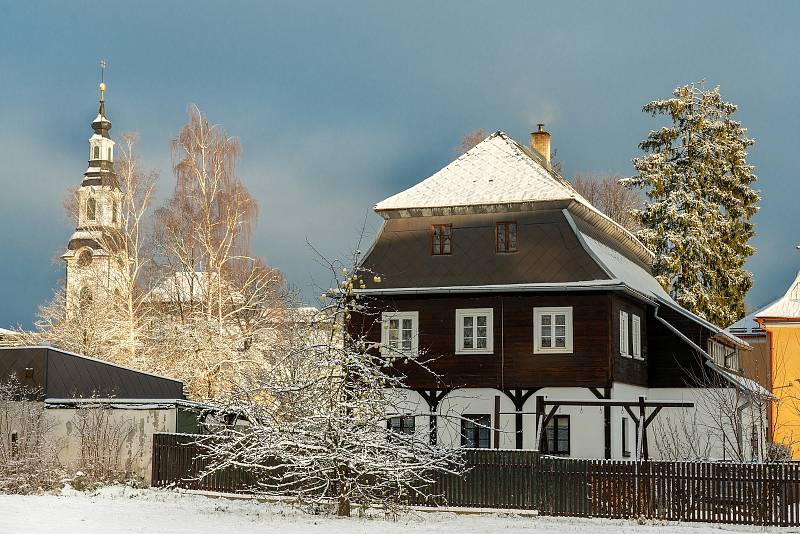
{"x":138,"y":426}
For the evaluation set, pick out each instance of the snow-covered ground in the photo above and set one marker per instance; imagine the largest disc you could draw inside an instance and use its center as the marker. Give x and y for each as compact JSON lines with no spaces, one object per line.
{"x":118,"y":510}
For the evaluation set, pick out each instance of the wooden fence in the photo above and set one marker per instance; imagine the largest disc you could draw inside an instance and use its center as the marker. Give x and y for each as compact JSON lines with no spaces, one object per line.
{"x":760,"y":494}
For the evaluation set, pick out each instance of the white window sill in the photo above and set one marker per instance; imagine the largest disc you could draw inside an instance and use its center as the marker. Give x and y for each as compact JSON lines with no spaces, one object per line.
{"x":552,"y":351}
{"x":481,"y":351}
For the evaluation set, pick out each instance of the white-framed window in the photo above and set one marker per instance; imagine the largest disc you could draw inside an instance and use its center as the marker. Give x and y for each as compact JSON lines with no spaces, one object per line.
{"x":400,"y":332}
{"x":474,"y":328}
{"x":623,"y":333}
{"x":636,"y":336}
{"x":552,"y":330}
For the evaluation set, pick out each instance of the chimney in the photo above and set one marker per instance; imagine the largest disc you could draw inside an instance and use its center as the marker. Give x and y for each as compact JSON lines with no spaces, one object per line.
{"x":540,"y":142}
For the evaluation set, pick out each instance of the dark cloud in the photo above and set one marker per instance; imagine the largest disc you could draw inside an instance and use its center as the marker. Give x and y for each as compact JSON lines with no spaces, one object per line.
{"x":340,"y":105}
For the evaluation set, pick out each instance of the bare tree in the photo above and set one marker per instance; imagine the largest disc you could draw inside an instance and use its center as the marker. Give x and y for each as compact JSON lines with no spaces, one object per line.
{"x":729,"y":417}
{"x":101,"y":438}
{"x":216,"y":297}
{"x":317,"y":417}
{"x":28,"y":457}
{"x":609,"y":196}
{"x":469,"y":140}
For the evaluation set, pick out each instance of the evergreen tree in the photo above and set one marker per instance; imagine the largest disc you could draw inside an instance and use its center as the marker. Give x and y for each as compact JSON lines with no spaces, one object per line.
{"x":700,"y":202}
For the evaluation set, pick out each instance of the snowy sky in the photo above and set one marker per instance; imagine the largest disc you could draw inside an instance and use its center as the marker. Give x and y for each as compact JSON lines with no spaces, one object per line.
{"x":341,"y":105}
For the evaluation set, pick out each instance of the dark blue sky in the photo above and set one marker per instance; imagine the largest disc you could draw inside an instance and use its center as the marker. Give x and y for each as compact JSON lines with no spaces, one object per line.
{"x":339,"y":105}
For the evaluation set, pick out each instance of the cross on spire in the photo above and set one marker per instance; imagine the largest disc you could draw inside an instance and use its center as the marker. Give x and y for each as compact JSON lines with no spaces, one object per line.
{"x":103,"y":65}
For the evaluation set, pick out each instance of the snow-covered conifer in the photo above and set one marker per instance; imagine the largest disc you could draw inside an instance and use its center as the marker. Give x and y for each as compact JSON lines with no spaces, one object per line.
{"x":700,"y":202}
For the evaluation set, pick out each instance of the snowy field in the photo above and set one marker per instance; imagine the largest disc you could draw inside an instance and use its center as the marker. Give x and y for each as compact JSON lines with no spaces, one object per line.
{"x":119,"y":510}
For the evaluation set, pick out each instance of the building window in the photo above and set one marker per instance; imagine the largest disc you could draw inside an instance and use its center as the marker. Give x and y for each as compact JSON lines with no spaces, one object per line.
{"x":96,"y":152}
{"x":552,"y":330}
{"x":114,"y":211}
{"x":476,"y":431}
{"x":723,"y":355}
{"x":401,"y":425}
{"x":623,"y":333}
{"x":399,"y":333}
{"x":636,"y":336}
{"x":91,"y":209}
{"x":441,"y":236}
{"x":506,"y":237}
{"x":626,"y":447}
{"x":109,"y":153}
{"x":474,"y":331}
{"x":557,"y":432}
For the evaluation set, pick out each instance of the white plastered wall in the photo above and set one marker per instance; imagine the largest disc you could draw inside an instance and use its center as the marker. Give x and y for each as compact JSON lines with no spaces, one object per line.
{"x":705,"y":431}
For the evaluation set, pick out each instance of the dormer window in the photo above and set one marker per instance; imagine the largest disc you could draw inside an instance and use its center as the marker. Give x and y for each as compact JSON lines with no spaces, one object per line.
{"x":506,"y":237}
{"x":441,"y":236}
{"x":91,"y":209}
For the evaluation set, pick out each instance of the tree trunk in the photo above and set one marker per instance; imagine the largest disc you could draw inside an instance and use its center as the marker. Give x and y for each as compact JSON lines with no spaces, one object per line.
{"x":343,"y":510}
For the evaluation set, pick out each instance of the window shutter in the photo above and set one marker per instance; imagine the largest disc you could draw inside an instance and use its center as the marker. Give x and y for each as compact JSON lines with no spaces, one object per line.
{"x":636,"y":326}
{"x":623,"y":333}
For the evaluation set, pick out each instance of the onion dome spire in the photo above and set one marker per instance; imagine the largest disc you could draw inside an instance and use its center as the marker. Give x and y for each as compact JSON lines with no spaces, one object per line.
{"x":101,"y":125}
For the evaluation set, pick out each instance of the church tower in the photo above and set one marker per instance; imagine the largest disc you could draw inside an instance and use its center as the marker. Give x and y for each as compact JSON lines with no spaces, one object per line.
{"x":91,"y":270}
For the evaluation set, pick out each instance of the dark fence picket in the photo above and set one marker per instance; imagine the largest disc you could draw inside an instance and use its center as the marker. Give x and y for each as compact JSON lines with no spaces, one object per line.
{"x":731,"y":493}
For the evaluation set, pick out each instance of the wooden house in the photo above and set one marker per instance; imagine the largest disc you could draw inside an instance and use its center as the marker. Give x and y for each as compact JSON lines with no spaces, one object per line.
{"x":514,"y":287}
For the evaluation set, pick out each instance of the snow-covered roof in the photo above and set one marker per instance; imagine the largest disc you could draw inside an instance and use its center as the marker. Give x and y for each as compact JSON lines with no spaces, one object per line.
{"x":632,"y":275}
{"x":743,"y":383}
{"x":747,"y":325}
{"x":498,"y":170}
{"x":185,"y":286}
{"x":786,"y":307}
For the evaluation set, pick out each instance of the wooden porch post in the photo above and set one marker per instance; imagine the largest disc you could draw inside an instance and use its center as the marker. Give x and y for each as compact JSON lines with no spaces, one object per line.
{"x":497,"y":421}
{"x":537,"y":445}
{"x":643,"y":428}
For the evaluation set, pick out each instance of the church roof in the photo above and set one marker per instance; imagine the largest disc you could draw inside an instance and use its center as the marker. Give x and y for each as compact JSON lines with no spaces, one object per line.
{"x":786,"y":307}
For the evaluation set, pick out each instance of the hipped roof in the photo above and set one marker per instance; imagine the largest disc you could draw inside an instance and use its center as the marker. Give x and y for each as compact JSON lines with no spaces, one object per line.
{"x":497,"y":172}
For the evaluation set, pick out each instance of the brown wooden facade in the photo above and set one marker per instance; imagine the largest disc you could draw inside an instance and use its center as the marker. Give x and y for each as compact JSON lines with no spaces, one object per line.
{"x":595,"y":360}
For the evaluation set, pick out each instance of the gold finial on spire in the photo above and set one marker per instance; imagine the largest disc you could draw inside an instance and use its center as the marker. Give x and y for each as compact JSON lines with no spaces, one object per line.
{"x":103,"y":65}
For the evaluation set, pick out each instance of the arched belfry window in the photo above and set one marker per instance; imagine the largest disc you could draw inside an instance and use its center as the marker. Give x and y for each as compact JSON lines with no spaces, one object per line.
{"x":109,"y":153}
{"x":91,"y":209}
{"x":114,"y":212}
{"x":96,"y":152}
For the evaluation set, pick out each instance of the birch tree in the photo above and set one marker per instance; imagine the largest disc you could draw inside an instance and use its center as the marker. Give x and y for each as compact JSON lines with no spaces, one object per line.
{"x":219,"y":300}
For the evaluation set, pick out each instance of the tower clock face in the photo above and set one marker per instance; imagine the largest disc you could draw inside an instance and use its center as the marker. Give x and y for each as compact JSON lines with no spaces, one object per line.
{"x":84,"y":258}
